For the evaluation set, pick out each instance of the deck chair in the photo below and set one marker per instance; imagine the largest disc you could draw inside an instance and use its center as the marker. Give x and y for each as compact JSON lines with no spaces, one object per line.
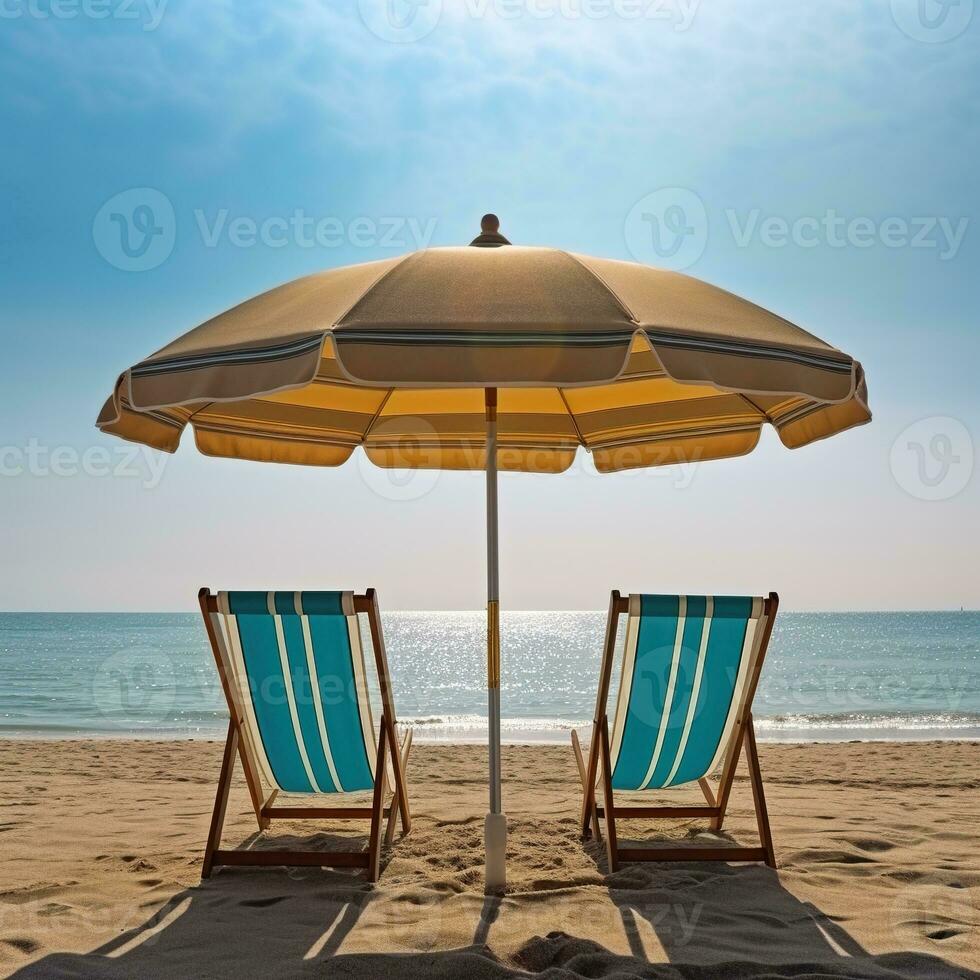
{"x":292,"y":669}
{"x":690,"y":669}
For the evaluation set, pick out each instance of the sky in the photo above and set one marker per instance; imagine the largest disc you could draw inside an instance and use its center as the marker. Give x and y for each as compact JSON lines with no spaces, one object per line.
{"x":817,"y":157}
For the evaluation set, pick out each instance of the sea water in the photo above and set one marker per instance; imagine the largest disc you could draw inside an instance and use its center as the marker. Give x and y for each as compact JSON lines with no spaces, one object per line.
{"x":828,"y":676}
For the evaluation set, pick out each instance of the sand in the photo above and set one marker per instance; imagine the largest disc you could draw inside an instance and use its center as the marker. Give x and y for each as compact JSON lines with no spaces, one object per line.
{"x":877,"y":844}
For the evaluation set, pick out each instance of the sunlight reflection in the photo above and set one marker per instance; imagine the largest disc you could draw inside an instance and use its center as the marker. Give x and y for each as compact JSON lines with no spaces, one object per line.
{"x":147,"y":934}
{"x":317,"y":947}
{"x":652,"y":950}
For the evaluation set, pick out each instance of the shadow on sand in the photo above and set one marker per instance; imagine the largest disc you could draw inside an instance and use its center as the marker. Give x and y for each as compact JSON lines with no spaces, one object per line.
{"x":680,"y":921}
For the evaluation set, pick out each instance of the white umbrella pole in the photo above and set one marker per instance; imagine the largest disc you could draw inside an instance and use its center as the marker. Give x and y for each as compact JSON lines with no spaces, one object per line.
{"x":495,"y":828}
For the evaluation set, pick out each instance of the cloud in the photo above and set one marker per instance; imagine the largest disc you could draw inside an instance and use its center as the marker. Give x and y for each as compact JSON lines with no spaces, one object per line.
{"x":510,"y":81}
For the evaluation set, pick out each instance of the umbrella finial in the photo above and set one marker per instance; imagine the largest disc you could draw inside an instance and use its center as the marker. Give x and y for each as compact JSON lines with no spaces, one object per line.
{"x":489,"y":236}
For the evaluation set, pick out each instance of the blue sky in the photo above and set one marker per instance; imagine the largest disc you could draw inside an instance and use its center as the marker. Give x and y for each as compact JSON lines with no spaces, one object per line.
{"x":825,"y":157}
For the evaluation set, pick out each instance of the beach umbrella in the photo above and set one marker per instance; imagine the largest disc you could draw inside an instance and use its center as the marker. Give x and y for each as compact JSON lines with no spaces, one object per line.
{"x":490,"y":357}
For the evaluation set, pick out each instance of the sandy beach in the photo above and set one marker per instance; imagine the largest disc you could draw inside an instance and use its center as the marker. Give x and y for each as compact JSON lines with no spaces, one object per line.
{"x":877,"y":845}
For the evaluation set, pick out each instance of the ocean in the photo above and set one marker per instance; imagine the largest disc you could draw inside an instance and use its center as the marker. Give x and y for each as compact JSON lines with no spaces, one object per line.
{"x":828,"y":676}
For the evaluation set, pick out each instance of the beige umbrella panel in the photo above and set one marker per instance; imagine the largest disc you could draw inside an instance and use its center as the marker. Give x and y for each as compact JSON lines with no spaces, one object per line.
{"x":490,"y":358}
{"x":639,"y":365}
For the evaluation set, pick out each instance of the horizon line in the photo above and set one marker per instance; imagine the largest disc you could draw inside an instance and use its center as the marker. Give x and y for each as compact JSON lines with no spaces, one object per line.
{"x":481,"y":610}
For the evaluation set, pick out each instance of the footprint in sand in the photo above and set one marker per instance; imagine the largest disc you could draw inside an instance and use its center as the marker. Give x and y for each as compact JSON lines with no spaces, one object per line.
{"x":263,"y":903}
{"x":872,"y":844}
{"x":22,"y":944}
{"x":142,"y":865}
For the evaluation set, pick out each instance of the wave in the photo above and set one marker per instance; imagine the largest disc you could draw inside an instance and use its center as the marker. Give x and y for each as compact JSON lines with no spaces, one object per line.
{"x":474,"y":728}
{"x":872,"y":721}
{"x":786,"y":727}
{"x":814,"y":727}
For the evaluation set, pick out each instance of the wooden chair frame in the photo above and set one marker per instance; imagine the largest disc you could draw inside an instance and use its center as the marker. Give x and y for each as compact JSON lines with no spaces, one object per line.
{"x":264,"y":805}
{"x":742,"y":737}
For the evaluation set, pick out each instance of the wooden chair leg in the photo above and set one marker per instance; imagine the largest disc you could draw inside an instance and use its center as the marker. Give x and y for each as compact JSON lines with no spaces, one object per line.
{"x":392,"y":819}
{"x":607,"y":792}
{"x":596,"y":829}
{"x":400,"y":785}
{"x":264,"y":820}
{"x":727,"y":778}
{"x":706,"y":789}
{"x":384,"y":789}
{"x":254,"y":787}
{"x":388,"y":715}
{"x":583,"y":776}
{"x":758,"y":793}
{"x":377,"y":809}
{"x":591,"y":764}
{"x":396,"y":798}
{"x":221,"y":799}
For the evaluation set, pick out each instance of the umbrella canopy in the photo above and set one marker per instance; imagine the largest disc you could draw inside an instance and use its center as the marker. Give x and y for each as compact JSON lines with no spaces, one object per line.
{"x":405,"y":357}
{"x":639,"y":365}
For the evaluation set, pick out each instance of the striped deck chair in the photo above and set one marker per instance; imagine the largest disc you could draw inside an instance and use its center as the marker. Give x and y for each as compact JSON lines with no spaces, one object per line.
{"x":292,"y":670}
{"x":690,"y":669}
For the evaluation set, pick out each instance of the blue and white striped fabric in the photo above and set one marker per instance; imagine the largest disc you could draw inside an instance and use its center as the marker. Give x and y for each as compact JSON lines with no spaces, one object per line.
{"x":683,"y":684}
{"x":296,"y":668}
